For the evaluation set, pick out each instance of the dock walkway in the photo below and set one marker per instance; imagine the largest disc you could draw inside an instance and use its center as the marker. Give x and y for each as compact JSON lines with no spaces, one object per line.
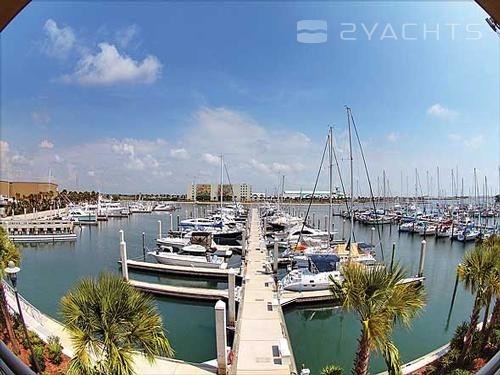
{"x":261,"y":342}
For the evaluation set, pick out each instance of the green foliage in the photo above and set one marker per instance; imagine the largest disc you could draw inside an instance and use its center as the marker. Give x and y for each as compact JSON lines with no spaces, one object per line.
{"x":332,"y":370}
{"x":457,"y":341}
{"x":109,"y":320}
{"x":38,"y":356}
{"x":8,"y":251}
{"x":380,"y":301}
{"x":54,"y":350}
{"x":459,"y":371}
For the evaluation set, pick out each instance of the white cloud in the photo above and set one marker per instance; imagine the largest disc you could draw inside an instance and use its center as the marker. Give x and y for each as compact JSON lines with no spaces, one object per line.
{"x":179,"y":153}
{"x":393,"y":137}
{"x":46,"y":144}
{"x":211,"y":159}
{"x":441,"y":112}
{"x":125,"y":36}
{"x":474,"y":142}
{"x":109,"y":66}
{"x":59,"y":40}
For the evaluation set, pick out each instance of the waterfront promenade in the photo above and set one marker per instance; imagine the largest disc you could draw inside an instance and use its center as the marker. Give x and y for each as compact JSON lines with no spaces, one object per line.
{"x":261,"y":343}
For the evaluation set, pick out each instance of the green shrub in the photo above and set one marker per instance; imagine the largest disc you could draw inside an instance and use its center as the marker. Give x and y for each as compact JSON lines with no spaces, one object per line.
{"x":332,"y":370}
{"x":54,"y":350}
{"x":459,"y":371}
{"x":38,"y":356}
{"x":457,"y":341}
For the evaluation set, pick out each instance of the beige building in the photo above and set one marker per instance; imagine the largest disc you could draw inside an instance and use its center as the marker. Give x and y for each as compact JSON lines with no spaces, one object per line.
{"x":211,"y":192}
{"x":22,"y":189}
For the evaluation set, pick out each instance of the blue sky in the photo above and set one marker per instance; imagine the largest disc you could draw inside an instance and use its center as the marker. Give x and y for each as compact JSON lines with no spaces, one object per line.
{"x":143,"y":97}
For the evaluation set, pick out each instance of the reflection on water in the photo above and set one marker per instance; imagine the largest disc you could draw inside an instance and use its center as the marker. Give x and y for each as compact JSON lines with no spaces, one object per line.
{"x":322,"y":339}
{"x":319,"y":337}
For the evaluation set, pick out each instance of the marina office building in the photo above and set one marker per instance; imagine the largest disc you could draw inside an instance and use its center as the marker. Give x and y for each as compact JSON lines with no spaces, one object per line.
{"x":20,"y":189}
{"x":211,"y":192}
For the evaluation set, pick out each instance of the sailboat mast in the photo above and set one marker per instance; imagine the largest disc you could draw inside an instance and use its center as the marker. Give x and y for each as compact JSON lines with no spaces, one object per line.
{"x":352,"y":181}
{"x":330,"y":207}
{"x":221,"y":183}
{"x":438,"y":186}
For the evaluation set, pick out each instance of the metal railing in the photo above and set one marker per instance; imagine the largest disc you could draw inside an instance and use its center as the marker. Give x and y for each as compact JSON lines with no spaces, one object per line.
{"x":11,"y":364}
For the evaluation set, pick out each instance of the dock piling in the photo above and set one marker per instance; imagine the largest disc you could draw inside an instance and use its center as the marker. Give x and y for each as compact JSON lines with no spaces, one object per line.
{"x":423,"y":246}
{"x":123,"y":256}
{"x":231,"y":299}
{"x":392,"y":255}
{"x":275,"y":257}
{"x":159,"y":229}
{"x":221,"y":337}
{"x":243,"y":243}
{"x":144,"y":246}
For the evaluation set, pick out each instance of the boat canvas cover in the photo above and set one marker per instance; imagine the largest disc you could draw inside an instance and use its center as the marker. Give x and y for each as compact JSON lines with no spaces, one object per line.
{"x":201,"y":238}
{"x":325,"y":262}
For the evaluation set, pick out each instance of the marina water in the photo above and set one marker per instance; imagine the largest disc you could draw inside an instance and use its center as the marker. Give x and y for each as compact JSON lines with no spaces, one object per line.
{"x":320,"y":335}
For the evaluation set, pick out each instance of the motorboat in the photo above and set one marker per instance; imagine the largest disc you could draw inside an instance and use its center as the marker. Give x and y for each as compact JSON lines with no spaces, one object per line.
{"x":195,"y":242}
{"x":316,"y":277}
{"x":468,"y":234}
{"x":199,"y":223}
{"x":82,"y":216}
{"x":169,"y":257}
{"x":164,"y":207}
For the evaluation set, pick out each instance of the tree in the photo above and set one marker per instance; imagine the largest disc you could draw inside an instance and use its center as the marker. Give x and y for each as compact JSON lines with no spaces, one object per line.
{"x":8,"y":252}
{"x":380,"y":300}
{"x":476,"y":273}
{"x":108,"y":321}
{"x":492,"y":244}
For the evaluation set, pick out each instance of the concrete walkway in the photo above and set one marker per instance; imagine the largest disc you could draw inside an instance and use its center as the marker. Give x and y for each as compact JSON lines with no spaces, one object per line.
{"x":45,"y":326}
{"x":261,"y":343}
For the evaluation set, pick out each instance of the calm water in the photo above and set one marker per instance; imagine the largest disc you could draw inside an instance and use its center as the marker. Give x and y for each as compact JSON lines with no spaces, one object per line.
{"x":320,"y":336}
{"x":323,"y":336}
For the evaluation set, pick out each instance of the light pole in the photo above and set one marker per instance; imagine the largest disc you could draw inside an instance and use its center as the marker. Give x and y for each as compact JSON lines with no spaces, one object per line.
{"x":11,"y":270}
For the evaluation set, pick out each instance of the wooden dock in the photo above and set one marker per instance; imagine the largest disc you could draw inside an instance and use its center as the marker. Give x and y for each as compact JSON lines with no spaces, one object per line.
{"x":261,"y":344}
{"x":179,"y":270}
{"x":180,"y":291}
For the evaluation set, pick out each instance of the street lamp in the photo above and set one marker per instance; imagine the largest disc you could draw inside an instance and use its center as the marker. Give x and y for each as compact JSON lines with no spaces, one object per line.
{"x":11,"y":270}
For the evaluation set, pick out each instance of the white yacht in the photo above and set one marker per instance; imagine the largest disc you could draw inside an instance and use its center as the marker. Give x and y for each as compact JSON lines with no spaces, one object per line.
{"x":316,"y":276}
{"x":164,"y":207}
{"x":187,"y":260}
{"x":199,"y":242}
{"x":468,"y":235}
{"x":82,"y":216}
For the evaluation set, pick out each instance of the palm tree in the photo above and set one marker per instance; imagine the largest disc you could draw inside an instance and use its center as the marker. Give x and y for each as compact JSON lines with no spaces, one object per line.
{"x":476,"y":273}
{"x":8,"y":252}
{"x":380,"y":300}
{"x":108,"y":320}
{"x":492,"y":244}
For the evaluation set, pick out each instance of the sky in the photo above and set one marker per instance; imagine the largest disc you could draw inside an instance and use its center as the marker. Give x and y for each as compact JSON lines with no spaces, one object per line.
{"x":144,"y":96}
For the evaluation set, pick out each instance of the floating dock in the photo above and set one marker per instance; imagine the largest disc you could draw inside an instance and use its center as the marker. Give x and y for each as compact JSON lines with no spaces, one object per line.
{"x":179,"y":270}
{"x":41,"y":230}
{"x":180,"y":291}
{"x":261,"y":343}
